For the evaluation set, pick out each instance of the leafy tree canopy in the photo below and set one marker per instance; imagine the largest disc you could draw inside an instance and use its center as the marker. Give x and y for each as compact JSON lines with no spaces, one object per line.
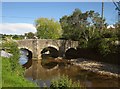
{"x":82,"y":26}
{"x":30,"y":35}
{"x":48,"y":28}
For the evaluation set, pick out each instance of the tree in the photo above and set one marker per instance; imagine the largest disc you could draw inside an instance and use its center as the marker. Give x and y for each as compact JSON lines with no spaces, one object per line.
{"x":117,"y":27}
{"x":15,"y":37}
{"x":48,"y":28}
{"x":70,"y":25}
{"x":82,"y":26}
{"x":30,"y":35}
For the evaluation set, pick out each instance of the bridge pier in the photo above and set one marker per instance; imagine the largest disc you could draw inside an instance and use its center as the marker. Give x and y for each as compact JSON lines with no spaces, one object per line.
{"x":36,"y":54}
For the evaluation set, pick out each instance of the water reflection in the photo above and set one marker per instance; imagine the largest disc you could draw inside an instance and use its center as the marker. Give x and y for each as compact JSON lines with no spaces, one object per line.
{"x":43,"y":76}
{"x":23,"y":57}
{"x":42,"y":73}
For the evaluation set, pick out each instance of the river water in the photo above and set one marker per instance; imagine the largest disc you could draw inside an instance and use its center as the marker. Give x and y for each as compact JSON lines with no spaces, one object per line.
{"x":42,"y":75}
{"x":23,"y":58}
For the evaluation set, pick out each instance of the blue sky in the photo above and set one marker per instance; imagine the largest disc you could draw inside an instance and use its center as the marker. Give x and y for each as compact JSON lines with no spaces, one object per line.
{"x":56,"y":10}
{"x":58,"y":0}
{"x":27,"y":12}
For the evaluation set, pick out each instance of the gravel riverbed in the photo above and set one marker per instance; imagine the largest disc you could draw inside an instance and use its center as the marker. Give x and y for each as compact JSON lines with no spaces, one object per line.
{"x":105,"y":69}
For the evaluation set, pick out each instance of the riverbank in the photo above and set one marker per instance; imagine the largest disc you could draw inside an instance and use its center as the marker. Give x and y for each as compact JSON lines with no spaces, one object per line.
{"x":103,"y":69}
{"x":13,"y":79}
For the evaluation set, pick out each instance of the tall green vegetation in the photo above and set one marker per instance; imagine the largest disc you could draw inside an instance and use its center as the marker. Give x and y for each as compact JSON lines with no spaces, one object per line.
{"x":12,"y":48}
{"x":0,"y":73}
{"x":13,"y":79}
{"x":90,"y":30}
{"x":12,"y":71}
{"x":17,"y":37}
{"x":48,"y":28}
{"x":80,"y":25}
{"x":63,"y":82}
{"x":30,"y":35}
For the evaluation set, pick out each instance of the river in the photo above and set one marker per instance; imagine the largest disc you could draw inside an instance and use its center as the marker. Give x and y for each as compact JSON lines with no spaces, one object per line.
{"x":42,"y":75}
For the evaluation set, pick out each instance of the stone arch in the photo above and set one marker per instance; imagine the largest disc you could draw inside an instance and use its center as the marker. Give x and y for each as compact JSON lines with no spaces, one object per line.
{"x":27,"y":48}
{"x":53,"y":46}
{"x":49,"y":51}
{"x":29,"y":56}
{"x":71,"y":53}
{"x":67,"y":48}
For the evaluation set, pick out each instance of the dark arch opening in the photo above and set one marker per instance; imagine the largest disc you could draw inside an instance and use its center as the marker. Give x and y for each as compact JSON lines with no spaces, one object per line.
{"x":49,"y":52}
{"x":71,"y":53}
{"x":28,"y":55}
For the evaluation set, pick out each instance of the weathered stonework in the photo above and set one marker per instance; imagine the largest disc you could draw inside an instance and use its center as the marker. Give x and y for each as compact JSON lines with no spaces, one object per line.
{"x":37,"y":45}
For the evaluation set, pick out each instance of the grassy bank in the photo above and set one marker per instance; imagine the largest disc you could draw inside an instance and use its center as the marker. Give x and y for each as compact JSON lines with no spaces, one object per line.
{"x":12,"y":71}
{"x":0,"y":74}
{"x":13,"y":79}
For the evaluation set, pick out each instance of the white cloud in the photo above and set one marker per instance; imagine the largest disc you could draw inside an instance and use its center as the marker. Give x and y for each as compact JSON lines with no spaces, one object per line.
{"x":16,"y":28}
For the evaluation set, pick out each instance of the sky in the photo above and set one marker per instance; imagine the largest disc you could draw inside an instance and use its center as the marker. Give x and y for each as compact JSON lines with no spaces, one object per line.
{"x":19,"y":17}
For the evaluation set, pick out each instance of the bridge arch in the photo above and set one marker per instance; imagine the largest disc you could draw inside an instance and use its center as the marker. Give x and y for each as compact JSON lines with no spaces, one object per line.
{"x":29,"y":56}
{"x":49,"y":52}
{"x":68,"y":48}
{"x":26,"y":48}
{"x":53,"y":46}
{"x":29,"y":53}
{"x":71,"y":53}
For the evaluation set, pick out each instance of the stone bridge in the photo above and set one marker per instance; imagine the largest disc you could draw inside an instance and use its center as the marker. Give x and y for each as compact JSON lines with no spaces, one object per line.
{"x":39,"y":46}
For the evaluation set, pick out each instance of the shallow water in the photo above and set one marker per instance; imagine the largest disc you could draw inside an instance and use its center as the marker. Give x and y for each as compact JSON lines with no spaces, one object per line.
{"x":23,"y":58}
{"x":42,"y":76}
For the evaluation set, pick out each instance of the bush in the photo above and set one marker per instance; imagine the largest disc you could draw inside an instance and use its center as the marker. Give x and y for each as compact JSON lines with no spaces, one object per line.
{"x":107,"y":46}
{"x":63,"y":82}
{"x":12,"y":71}
{"x":12,"y":79}
{"x":12,"y":47}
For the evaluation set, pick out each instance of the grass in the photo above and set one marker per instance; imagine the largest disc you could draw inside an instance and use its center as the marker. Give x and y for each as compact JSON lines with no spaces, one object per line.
{"x":63,"y":82}
{"x":0,"y":74}
{"x":13,"y":79}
